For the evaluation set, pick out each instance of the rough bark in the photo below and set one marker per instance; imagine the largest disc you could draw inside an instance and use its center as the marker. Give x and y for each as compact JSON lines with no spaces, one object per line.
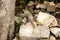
{"x":7,"y":11}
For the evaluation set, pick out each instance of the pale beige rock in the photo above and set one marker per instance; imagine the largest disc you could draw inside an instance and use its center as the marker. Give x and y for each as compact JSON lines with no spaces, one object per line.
{"x":45,"y":2}
{"x":52,"y":37}
{"x":38,"y":6}
{"x":41,"y":6}
{"x":24,"y":20}
{"x":52,"y":3}
{"x":46,"y":19}
{"x":26,"y":30}
{"x":41,"y":31}
{"x":55,"y":31}
{"x":45,"y":32}
{"x":30,"y":3}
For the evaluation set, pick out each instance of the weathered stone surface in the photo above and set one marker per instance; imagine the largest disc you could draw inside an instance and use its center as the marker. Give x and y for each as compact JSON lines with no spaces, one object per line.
{"x":55,"y":31}
{"x":50,"y":8}
{"x":30,"y":3}
{"x":7,"y":13}
{"x":52,"y":37}
{"x":41,"y":6}
{"x":26,"y":30}
{"x":45,"y":32}
{"x":29,"y":30}
{"x":46,"y":19}
{"x":42,"y":32}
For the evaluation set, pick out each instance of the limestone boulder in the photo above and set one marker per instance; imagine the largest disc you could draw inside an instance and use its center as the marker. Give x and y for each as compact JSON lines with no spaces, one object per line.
{"x":46,"y":19}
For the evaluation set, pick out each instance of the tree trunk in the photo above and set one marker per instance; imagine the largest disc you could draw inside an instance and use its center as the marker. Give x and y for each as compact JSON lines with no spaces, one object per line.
{"x":7,"y":12}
